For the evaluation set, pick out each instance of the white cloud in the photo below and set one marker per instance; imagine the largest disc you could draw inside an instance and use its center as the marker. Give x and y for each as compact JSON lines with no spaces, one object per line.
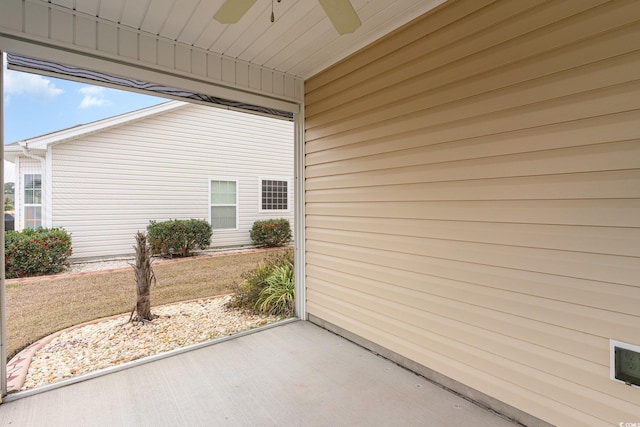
{"x":93,"y":101}
{"x":93,"y":97}
{"x":17,"y":83}
{"x":92,"y":90}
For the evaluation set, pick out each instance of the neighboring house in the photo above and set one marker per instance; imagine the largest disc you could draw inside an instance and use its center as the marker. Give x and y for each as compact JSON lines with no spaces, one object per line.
{"x":106,"y":180}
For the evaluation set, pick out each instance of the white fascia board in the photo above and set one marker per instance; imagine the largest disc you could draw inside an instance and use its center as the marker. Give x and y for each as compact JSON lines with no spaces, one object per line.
{"x":30,"y":45}
{"x":12,"y":152}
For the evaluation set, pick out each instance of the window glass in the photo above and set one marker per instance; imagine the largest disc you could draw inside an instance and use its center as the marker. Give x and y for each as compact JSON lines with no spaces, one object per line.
{"x":32,"y":216}
{"x":223,"y":192}
{"x":32,"y":189}
{"x":32,"y":201}
{"x":223,"y":204}
{"x":223,"y":217}
{"x":274,"y":195}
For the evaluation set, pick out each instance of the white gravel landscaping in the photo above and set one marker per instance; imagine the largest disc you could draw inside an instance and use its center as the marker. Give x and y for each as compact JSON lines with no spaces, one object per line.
{"x":115,"y":341}
{"x":107,"y":264}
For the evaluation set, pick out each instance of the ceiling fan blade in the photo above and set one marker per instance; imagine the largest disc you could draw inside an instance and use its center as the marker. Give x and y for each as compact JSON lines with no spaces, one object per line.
{"x":342,"y":15}
{"x":232,"y":10}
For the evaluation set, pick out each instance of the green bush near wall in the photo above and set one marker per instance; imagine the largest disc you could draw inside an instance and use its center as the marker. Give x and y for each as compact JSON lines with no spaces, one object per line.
{"x":178,"y":237}
{"x":36,"y":252}
{"x":271,"y":232}
{"x":278,"y":296}
{"x":269,"y":287}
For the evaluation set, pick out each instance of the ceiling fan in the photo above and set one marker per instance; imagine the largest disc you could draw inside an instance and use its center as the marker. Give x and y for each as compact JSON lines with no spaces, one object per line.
{"x":341,"y":13}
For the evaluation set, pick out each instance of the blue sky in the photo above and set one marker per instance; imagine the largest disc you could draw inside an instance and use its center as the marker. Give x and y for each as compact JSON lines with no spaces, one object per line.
{"x":35,"y":105}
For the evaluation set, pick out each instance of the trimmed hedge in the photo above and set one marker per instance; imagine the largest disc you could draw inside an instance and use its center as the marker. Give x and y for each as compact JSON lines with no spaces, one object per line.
{"x":271,"y":232}
{"x":178,"y":237}
{"x":36,"y":252}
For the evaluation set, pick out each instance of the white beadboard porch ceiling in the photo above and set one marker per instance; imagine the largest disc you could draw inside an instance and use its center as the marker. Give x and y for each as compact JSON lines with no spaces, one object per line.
{"x":301,"y":41}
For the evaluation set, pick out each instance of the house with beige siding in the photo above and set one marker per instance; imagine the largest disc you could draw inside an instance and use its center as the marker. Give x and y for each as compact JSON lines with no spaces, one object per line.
{"x":105,"y":180}
{"x":467,"y":175}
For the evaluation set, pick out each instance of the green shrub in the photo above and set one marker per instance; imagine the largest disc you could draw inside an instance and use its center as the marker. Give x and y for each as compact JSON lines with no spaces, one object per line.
{"x":248,"y":292}
{"x":271,"y":232}
{"x":178,"y":237}
{"x":278,"y":297}
{"x":36,"y":252}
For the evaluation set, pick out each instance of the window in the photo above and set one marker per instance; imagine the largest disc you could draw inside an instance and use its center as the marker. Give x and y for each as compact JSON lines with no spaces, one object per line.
{"x":224,"y":204}
{"x":32,"y":201}
{"x":274,"y":195}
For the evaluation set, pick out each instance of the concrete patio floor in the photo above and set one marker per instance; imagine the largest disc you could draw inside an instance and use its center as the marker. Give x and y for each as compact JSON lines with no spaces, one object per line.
{"x":295,"y":374}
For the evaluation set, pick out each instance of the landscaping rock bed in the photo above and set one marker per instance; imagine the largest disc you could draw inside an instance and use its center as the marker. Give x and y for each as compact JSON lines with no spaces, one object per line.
{"x":115,"y":341}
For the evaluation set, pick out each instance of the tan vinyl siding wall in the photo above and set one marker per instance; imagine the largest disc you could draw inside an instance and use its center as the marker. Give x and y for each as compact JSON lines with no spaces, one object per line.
{"x":473,"y":199}
{"x":108,"y":185}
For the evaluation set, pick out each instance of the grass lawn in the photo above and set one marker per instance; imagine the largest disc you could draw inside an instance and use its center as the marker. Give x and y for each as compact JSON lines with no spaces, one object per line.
{"x":38,"y":308}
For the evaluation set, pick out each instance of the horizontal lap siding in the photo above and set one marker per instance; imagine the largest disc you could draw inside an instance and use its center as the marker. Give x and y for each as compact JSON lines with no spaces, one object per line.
{"x":473,"y":199}
{"x":108,"y":185}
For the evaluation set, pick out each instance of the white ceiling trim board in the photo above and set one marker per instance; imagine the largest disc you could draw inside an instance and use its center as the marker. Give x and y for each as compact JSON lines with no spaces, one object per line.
{"x":131,"y":53}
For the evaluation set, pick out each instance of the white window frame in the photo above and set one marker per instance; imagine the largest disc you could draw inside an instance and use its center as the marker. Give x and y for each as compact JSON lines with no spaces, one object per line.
{"x":274,"y":178}
{"x":26,"y":205}
{"x":237,"y":204}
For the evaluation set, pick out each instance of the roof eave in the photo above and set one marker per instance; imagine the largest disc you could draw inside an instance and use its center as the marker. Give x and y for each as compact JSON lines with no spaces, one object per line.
{"x":43,"y":141}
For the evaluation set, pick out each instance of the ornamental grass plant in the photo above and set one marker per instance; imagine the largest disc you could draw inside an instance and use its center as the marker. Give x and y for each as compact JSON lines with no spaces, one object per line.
{"x":269,"y":287}
{"x":278,"y":296}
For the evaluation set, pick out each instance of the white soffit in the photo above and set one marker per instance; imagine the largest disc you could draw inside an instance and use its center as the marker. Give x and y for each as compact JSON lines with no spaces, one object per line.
{"x":301,"y":41}
{"x":178,"y":44}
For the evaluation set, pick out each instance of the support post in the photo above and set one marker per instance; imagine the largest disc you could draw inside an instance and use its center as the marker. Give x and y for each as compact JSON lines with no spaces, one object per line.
{"x":299,"y":226}
{"x":3,"y":317}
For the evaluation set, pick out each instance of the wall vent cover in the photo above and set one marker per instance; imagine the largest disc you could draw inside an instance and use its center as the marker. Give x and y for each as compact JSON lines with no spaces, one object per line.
{"x":625,"y":363}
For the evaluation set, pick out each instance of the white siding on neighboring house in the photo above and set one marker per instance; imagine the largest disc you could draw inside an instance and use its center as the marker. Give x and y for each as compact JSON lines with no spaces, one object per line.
{"x":110,"y":184}
{"x":473,"y":200}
